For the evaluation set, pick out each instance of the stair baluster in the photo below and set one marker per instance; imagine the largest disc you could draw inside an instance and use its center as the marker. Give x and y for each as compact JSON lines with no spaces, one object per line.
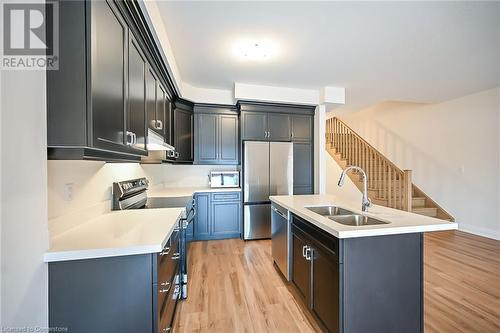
{"x":389,"y":185}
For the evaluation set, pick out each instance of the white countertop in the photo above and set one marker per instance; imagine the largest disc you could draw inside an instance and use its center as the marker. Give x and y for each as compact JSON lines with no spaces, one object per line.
{"x":167,"y":192}
{"x":127,"y":232}
{"x":401,"y":222}
{"x":118,"y":233}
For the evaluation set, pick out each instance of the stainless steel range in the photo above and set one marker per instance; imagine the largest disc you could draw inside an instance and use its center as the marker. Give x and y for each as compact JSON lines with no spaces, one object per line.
{"x":132,"y":194}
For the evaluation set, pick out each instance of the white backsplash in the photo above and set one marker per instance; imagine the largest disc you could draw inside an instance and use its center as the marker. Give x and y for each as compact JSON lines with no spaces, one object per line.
{"x":188,"y":175}
{"x":91,"y":186}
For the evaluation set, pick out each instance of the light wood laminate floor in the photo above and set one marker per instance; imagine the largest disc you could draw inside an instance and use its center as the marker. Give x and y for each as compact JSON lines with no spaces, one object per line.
{"x":461,"y":283}
{"x":234,"y":287}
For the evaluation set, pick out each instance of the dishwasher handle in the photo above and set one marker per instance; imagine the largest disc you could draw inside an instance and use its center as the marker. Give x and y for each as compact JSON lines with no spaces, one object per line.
{"x":280,"y":213}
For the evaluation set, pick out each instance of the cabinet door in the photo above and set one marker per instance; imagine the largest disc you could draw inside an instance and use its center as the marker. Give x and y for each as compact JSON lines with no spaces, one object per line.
{"x":202,"y":219}
{"x":168,"y":120}
{"x":254,"y":125}
{"x":301,"y":267}
{"x":303,"y":168}
{"x":161,"y":99}
{"x":278,"y":127}
{"x":183,"y":134}
{"x":228,"y":139}
{"x":325,"y":288}
{"x":136,"y":124}
{"x":302,"y":127}
{"x":108,"y":44}
{"x":151,"y":99}
{"x":207,"y":138}
{"x":226,"y":219}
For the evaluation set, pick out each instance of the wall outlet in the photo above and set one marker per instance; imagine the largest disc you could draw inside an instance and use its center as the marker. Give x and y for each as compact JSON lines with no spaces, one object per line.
{"x":68,"y":191}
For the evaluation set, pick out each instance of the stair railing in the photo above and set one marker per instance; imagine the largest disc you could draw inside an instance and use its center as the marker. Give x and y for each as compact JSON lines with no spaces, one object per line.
{"x":390,"y":183}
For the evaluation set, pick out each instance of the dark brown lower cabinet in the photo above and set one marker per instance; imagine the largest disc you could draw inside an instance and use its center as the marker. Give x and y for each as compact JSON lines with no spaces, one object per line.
{"x":315,"y":274}
{"x":325,"y":287}
{"x":123,"y":294}
{"x":301,"y":266}
{"x":358,"y":285}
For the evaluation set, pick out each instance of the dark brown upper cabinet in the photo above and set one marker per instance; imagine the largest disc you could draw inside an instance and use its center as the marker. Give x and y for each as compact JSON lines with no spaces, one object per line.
{"x":101,"y":100}
{"x":276,"y":122}
{"x":136,"y":121}
{"x":182,"y":127}
{"x":216,"y":134}
{"x":301,"y":127}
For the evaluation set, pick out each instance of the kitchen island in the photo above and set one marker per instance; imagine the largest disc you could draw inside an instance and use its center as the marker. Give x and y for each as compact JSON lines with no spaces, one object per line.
{"x":356,"y":278}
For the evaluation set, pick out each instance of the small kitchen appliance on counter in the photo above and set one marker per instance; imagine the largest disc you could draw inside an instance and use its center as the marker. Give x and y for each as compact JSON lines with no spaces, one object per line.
{"x":224,"y":179}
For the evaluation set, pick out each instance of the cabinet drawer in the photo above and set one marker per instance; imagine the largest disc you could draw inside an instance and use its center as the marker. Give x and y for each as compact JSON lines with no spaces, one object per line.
{"x":166,"y":309}
{"x":229,"y":196}
{"x":167,"y":266}
{"x":318,"y":237}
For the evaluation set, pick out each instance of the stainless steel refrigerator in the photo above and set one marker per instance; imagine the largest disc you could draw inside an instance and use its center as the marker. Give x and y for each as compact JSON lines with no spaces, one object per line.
{"x":267,"y":170}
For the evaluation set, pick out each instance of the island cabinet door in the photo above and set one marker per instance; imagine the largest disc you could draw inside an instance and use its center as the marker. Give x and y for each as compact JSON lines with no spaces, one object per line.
{"x":301,"y":267}
{"x":325,"y":288}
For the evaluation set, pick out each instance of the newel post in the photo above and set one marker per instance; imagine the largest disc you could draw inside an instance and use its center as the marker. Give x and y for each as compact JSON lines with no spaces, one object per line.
{"x":407,"y":190}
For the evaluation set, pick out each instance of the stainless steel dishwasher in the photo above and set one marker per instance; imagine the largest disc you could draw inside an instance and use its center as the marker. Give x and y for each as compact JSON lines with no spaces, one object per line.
{"x":281,"y":245}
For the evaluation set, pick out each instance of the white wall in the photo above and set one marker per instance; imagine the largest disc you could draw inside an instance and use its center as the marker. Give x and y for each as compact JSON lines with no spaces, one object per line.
{"x":24,"y":235}
{"x":348,"y":191}
{"x":319,"y":149}
{"x":453,"y":149}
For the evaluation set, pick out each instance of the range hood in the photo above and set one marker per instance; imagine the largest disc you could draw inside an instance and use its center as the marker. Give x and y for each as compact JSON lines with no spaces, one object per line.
{"x":156,"y":142}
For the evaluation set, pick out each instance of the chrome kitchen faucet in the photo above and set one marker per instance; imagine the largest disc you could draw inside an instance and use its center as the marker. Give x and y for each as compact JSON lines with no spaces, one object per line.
{"x":365,"y":202}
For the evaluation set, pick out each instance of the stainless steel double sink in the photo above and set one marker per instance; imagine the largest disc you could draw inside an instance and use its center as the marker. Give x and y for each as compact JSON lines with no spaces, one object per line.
{"x":344,"y":216}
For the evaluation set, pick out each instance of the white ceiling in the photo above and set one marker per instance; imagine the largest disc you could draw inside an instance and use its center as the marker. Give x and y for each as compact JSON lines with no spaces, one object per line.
{"x":407,"y":51}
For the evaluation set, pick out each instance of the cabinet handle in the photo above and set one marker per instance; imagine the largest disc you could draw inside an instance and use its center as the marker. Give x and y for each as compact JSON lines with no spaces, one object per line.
{"x":166,"y":329}
{"x":306,"y":252}
{"x":165,"y":284}
{"x":165,"y":251}
{"x":131,"y":135}
{"x":176,"y":292}
{"x":160,"y":125}
{"x":165,"y":290}
{"x":292,"y":135}
{"x":176,"y":256}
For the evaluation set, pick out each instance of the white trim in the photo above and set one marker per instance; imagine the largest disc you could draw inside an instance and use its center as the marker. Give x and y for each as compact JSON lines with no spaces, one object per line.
{"x":207,"y":95}
{"x":255,"y":92}
{"x":319,"y":150}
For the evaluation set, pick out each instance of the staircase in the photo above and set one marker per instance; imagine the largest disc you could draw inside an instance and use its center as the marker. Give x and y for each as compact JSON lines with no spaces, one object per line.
{"x":387,"y":184}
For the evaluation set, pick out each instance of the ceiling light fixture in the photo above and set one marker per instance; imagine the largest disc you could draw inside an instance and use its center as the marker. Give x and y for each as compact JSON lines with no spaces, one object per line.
{"x":254,"y":50}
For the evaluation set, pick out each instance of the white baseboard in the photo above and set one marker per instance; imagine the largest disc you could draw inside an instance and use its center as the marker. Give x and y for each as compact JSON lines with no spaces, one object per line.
{"x":485,"y":232}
